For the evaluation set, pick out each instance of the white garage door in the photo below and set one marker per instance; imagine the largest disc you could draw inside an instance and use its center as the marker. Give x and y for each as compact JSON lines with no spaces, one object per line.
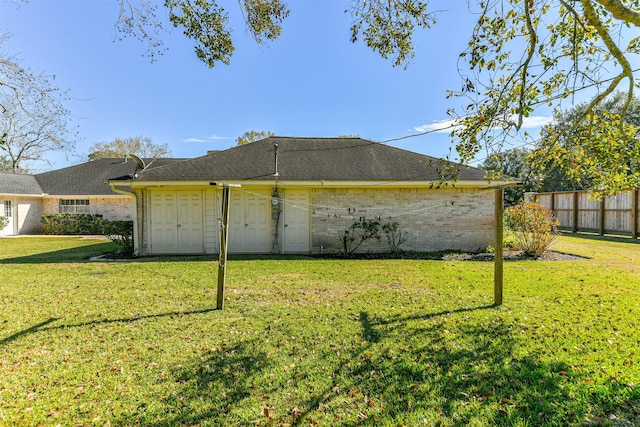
{"x":176,"y":222}
{"x":249,"y":221}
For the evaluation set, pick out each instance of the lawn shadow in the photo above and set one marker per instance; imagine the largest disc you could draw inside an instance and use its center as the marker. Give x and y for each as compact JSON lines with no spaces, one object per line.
{"x":42,"y":326}
{"x":27,"y":331}
{"x":130,"y":319}
{"x":404,"y":370}
{"x":75,"y":254}
{"x":209,"y":387}
{"x":598,"y":238}
{"x":484,"y":380}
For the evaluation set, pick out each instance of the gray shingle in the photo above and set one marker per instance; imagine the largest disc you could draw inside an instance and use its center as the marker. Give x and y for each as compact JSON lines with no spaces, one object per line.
{"x":310,"y":159}
{"x":89,"y":178}
{"x":11,"y":183}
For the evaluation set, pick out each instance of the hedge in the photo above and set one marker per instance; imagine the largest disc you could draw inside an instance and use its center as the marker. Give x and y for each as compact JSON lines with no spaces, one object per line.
{"x":74,"y":224}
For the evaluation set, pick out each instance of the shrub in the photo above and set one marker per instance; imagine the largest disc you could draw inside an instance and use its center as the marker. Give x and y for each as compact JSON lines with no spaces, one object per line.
{"x":357,"y":233}
{"x":395,"y":236}
{"x":533,"y":226}
{"x":3,"y":222}
{"x":74,"y":224}
{"x":120,"y":233}
{"x":509,"y":240}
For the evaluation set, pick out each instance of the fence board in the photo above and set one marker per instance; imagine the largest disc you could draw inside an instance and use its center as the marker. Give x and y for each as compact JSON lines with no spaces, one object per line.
{"x":577,"y":211}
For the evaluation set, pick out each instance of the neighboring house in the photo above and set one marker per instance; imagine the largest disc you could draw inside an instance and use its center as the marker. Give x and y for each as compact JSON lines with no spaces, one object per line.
{"x":299,"y":195}
{"x":75,"y":189}
{"x":21,"y":201}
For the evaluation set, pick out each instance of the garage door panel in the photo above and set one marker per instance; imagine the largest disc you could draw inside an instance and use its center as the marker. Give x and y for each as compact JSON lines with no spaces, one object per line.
{"x":236,"y":222}
{"x":164,"y":224}
{"x":176,"y":222}
{"x":249,"y":222}
{"x":190,"y":235}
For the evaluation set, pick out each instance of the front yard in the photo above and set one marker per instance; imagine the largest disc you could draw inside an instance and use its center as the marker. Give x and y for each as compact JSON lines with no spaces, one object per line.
{"x":318,"y":342}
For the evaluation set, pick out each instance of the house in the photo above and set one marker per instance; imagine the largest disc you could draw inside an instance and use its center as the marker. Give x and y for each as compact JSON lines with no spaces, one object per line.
{"x":299,"y":195}
{"x":75,"y":189}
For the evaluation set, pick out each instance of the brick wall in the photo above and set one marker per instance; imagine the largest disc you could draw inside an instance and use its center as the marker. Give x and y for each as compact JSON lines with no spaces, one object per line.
{"x":111,"y":208}
{"x":434,"y":220}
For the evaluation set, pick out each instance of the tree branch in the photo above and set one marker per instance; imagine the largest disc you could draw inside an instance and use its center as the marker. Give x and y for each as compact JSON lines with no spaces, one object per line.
{"x":620,"y":11}
{"x":627,"y":71}
{"x":533,"y":41}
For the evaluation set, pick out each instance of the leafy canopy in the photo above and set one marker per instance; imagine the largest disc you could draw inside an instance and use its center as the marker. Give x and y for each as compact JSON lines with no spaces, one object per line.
{"x":121,"y":147}
{"x":521,"y":55}
{"x":570,"y":163}
{"x":253,"y":136}
{"x":596,"y":150}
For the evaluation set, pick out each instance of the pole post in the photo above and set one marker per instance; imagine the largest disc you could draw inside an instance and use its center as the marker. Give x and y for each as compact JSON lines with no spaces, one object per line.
{"x":634,"y":213}
{"x":602,"y":215}
{"x":224,"y":236}
{"x":498,"y":261}
{"x":575,"y":211}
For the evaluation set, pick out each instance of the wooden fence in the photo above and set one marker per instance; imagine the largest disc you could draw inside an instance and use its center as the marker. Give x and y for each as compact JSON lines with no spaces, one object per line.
{"x":576,"y":211}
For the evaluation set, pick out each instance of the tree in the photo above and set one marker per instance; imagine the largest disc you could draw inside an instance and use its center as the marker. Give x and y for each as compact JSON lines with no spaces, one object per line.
{"x":121,"y":147}
{"x":574,"y":154}
{"x":253,"y":136}
{"x":522,"y":54}
{"x":567,"y":46}
{"x":33,"y":119}
{"x":5,"y":165}
{"x":511,"y":164}
{"x":520,"y":163}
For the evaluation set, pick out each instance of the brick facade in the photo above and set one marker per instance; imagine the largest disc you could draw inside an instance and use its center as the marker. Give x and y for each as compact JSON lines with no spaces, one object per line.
{"x":112,"y":208}
{"x":433,"y":220}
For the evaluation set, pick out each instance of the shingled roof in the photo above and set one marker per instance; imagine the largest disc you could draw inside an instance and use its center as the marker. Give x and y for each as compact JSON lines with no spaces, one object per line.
{"x":12,"y":183}
{"x":89,"y":178}
{"x":309,"y":159}
{"x":86,"y":179}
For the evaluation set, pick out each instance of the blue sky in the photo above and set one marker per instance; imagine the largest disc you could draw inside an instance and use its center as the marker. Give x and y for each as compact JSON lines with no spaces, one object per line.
{"x":312,"y":81}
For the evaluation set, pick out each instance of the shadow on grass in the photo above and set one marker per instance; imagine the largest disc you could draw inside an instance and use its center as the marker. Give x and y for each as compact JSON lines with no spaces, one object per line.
{"x":434,"y":382}
{"x":208,"y":389}
{"x":75,"y":254}
{"x":598,"y":238}
{"x":406,"y":371}
{"x":42,"y":326}
{"x":27,"y":331}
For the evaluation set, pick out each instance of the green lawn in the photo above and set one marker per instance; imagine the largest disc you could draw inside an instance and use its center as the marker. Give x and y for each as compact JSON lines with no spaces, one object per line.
{"x":313,"y":342}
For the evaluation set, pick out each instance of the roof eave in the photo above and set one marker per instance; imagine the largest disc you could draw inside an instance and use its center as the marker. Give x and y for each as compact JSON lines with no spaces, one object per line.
{"x":319,"y":183}
{"x":23,"y":194}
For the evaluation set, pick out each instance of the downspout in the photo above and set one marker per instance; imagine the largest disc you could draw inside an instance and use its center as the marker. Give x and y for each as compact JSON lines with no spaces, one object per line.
{"x":135,"y":216}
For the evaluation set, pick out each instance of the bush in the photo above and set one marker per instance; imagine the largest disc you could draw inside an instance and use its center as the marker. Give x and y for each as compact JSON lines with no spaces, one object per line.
{"x":3,"y":221}
{"x":357,"y":233}
{"x":74,"y":224}
{"x":395,"y":236}
{"x":120,"y":233}
{"x":533,"y":226}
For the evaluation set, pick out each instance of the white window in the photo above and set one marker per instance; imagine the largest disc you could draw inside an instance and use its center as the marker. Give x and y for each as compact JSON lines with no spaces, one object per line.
{"x":74,"y":206}
{"x":8,"y":212}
